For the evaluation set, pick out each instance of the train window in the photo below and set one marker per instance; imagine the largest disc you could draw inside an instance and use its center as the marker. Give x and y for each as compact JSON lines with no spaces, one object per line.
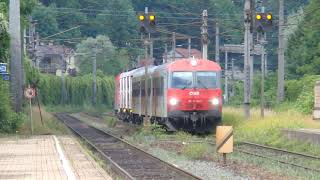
{"x":206,"y":79}
{"x":181,"y":80}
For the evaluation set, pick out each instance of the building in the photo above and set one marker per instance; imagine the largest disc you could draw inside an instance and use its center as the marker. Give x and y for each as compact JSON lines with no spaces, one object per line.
{"x":54,"y":59}
{"x":181,"y":53}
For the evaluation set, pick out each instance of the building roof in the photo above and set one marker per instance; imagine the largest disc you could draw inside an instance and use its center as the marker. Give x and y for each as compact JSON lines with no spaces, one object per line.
{"x":185,"y":53}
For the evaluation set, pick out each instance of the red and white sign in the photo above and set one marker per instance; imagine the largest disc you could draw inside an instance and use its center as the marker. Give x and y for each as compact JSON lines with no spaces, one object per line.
{"x":29,"y":93}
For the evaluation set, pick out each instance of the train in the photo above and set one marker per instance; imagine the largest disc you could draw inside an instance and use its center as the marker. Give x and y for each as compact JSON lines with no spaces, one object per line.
{"x":184,"y":94}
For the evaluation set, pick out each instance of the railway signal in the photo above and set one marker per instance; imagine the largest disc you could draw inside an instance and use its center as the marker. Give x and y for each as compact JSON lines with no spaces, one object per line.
{"x":147,"y":22}
{"x":263,"y":22}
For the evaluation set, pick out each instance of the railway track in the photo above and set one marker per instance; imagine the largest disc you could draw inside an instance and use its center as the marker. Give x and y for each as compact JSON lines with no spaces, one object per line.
{"x":299,"y":160}
{"x":126,"y":160}
{"x":294,"y":159}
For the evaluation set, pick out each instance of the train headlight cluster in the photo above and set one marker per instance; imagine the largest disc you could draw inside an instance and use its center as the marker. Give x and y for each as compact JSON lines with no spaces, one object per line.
{"x":173,"y":101}
{"x":194,"y":62}
{"x":215,"y":101}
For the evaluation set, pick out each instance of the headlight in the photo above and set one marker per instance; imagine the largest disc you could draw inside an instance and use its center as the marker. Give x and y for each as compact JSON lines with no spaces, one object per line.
{"x":173,"y":101}
{"x":215,"y":101}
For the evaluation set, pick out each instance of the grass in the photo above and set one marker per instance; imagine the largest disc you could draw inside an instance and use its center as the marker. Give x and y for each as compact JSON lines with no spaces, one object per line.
{"x":272,"y":166}
{"x":196,"y":151}
{"x":74,"y":109}
{"x":111,"y":121}
{"x":268,"y":130}
{"x":50,"y":125}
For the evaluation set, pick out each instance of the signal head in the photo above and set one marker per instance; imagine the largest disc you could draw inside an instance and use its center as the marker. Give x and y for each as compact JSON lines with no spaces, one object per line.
{"x":258,"y":17}
{"x":152,"y":17}
{"x":269,"y":17}
{"x":141,"y":17}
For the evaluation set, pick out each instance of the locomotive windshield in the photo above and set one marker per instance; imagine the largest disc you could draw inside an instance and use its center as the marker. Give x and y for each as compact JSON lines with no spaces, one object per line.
{"x":182,"y":80}
{"x":206,"y":80}
{"x":202,"y":79}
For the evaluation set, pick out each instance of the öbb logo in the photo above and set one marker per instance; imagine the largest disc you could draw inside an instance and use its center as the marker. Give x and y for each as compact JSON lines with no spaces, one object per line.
{"x":194,"y":93}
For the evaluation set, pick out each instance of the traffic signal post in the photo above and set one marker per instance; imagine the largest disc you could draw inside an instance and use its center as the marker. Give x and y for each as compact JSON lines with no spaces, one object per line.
{"x":147,"y":26}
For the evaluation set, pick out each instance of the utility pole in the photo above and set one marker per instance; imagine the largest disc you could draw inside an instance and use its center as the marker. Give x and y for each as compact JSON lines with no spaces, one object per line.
{"x":94,"y":74}
{"x":226,"y":77}
{"x":247,"y":24}
{"x":165,"y":59}
{"x":63,"y":86}
{"x":15,"y":54}
{"x":173,"y":46}
{"x":262,"y":42}
{"x":151,"y":49}
{"x":251,"y":65}
{"x":146,"y":120}
{"x":189,"y":47}
{"x":217,"y":48}
{"x":232,"y":77}
{"x":280,"y":94}
{"x":204,"y":34}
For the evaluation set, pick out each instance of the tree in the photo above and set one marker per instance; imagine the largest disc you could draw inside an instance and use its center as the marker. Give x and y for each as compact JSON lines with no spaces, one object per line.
{"x":304,"y":45}
{"x":109,"y":60}
{"x":46,"y":20}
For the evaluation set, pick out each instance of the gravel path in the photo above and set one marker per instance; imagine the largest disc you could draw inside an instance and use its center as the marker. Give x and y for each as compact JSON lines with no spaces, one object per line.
{"x":206,"y":170}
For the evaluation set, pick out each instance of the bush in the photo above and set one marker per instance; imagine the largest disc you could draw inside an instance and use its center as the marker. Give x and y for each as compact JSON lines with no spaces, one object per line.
{"x":9,"y":120}
{"x":78,"y":89}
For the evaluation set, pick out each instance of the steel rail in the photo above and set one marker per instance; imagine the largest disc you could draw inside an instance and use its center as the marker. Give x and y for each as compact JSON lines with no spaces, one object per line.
{"x":280,"y":150}
{"x":258,"y":155}
{"x":179,"y":173}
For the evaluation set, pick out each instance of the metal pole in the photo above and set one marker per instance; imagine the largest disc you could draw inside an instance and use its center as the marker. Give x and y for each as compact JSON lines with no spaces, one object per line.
{"x":189,"y":47}
{"x":280,"y":94}
{"x":247,"y":23}
{"x":151,"y":49}
{"x":232,"y":77}
{"x":165,"y":59}
{"x":262,"y":74}
{"x":94,"y":74}
{"x":63,"y":87}
{"x":226,"y":77}
{"x":146,"y":119}
{"x":31,"y":123}
{"x":204,"y":34}
{"x":217,"y":48}
{"x":251,"y":66}
{"x":173,"y":46}
{"x":15,"y":54}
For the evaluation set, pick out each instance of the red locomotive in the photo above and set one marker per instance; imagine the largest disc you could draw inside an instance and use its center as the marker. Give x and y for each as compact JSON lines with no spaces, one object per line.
{"x":183,"y":94}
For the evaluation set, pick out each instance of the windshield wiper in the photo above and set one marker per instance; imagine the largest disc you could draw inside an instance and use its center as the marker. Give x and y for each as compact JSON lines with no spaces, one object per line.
{"x":203,"y":85}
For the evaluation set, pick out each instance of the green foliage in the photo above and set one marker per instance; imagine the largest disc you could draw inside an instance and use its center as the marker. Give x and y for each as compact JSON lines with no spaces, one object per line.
{"x":4,"y":35}
{"x":78,"y":89}
{"x":304,"y":46}
{"x":111,"y":122}
{"x":9,"y":120}
{"x":47,"y":23}
{"x":195,"y":151}
{"x":301,"y":92}
{"x":109,"y":60}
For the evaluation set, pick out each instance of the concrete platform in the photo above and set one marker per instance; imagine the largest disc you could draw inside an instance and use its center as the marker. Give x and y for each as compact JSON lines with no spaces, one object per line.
{"x":309,"y":135}
{"x":46,"y":157}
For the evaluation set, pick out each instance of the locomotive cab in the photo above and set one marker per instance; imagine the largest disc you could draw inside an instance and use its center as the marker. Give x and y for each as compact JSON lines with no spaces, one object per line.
{"x":195,"y":99}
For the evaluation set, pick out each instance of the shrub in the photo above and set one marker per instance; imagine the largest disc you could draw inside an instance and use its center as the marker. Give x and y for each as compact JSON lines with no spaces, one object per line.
{"x":9,"y":120}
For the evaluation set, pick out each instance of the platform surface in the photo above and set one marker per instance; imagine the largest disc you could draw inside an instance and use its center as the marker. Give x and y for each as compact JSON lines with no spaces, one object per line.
{"x":306,"y":135}
{"x":38,"y":158}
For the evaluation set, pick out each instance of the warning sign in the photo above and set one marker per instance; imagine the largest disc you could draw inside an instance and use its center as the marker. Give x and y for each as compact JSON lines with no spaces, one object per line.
{"x":224,"y":139}
{"x":29,"y":93}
